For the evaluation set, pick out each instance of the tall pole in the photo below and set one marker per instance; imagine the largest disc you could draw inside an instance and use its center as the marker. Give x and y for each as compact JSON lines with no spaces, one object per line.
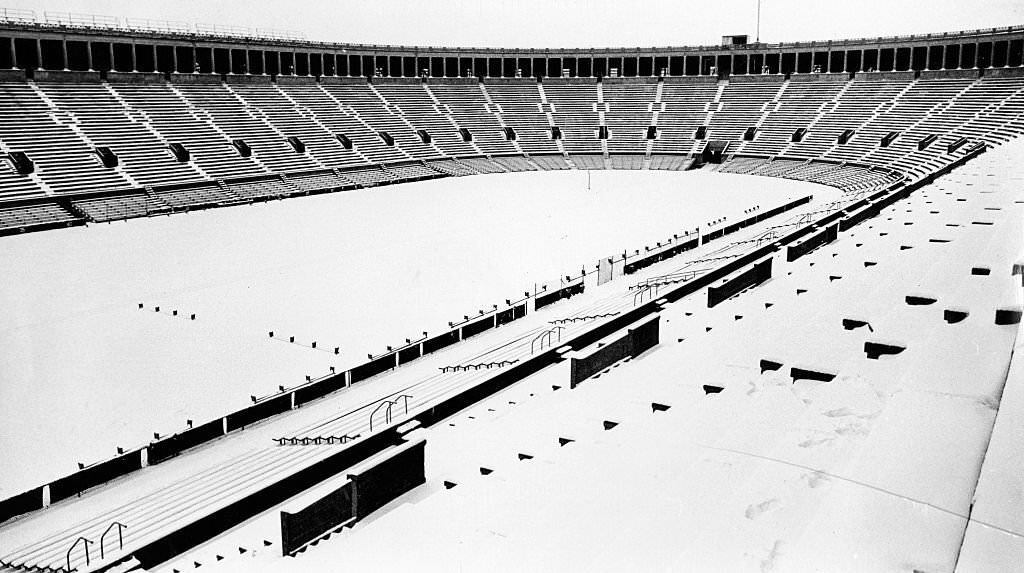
{"x":758,"y":39}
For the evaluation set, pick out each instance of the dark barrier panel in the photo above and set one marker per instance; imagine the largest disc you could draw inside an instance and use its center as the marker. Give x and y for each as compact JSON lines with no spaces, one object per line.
{"x":474,"y":328}
{"x":707,"y":238}
{"x":754,"y":276}
{"x":646,"y":336}
{"x":409,"y":354}
{"x":514,"y":313}
{"x":260,"y":411}
{"x":374,"y":367}
{"x":30,"y":500}
{"x":319,"y":389}
{"x":325,"y":514}
{"x":504,"y":317}
{"x":386,"y":479}
{"x":551,"y":298}
{"x":823,"y":237}
{"x":173,"y":445}
{"x":441,"y":341}
{"x":103,"y":472}
{"x":582,"y":368}
{"x":220,"y":520}
{"x":505,"y":378}
{"x":633,"y":343}
{"x":645,"y":262}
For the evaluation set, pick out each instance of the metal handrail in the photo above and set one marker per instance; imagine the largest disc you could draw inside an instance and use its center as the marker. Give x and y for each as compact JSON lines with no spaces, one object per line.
{"x":387,"y":412}
{"x":72,"y":548}
{"x":120,"y":536}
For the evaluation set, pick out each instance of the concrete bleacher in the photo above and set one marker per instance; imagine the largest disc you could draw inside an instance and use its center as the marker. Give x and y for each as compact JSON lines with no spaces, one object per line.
{"x":686,"y":106}
{"x":96,"y":112}
{"x":631,"y":109}
{"x":178,"y":121}
{"x":238,"y":119}
{"x":62,"y":160}
{"x":351,"y":125}
{"x":117,"y":207}
{"x":26,"y":217}
{"x":467,"y":106}
{"x":521,"y":108}
{"x":573,"y":109}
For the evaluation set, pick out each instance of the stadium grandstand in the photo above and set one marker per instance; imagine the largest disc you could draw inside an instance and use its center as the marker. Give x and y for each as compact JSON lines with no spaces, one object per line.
{"x":823,"y":382}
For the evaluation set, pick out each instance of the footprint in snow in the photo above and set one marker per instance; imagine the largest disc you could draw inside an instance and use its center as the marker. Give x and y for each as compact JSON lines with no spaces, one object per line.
{"x":755,"y":511}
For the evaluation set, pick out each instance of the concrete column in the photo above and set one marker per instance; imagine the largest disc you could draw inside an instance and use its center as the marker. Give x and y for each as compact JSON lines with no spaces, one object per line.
{"x":39,"y":54}
{"x":263,"y":61}
{"x":88,"y":55}
{"x":111,"y":46}
{"x":174,"y":59}
{"x":14,"y":55}
{"x":278,"y":62}
{"x":64,"y":54}
{"x":135,"y":66}
{"x":231,"y":62}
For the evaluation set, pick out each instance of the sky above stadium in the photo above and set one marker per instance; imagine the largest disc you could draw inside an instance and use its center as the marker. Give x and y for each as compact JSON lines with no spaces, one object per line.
{"x":561,"y":23}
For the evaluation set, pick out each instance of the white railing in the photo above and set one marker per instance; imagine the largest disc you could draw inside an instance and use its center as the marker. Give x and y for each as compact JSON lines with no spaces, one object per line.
{"x":76,"y":20}
{"x":73,"y":20}
{"x":16,"y":15}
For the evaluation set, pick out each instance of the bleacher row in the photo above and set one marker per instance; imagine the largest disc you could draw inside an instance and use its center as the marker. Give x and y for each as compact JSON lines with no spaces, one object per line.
{"x":247,"y":140}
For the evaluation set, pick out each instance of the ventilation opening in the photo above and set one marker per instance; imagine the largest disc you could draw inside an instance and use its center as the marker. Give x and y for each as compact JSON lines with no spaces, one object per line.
{"x":297,"y":144}
{"x":845,"y":136}
{"x":449,"y":484}
{"x":889,"y":138}
{"x":424,"y":136}
{"x":702,"y":132}
{"x":798,"y":135}
{"x":926,"y":141}
{"x":344,"y":140}
{"x":769,"y":365}
{"x":107,"y":157}
{"x":652,"y":132}
{"x":466,"y":135}
{"x":565,"y":441}
{"x":709,"y":389}
{"x":914,"y":300}
{"x":242,"y":147}
{"x":485,"y":471}
{"x":749,"y":134}
{"x":876,"y":349}
{"x":386,"y":138}
{"x":180,"y":153}
{"x":510,"y":134}
{"x":656,"y":407}
{"x":1007,"y":316}
{"x":22,"y":164}
{"x":523,"y":456}
{"x":804,"y":374}
{"x":852,"y":324}
{"x":982,"y":271}
{"x":602,"y":132}
{"x":952,"y":316}
{"x":608,"y":424}
{"x":556,"y":132}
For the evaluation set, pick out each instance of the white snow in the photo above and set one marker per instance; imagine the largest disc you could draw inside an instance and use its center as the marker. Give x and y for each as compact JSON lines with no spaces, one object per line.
{"x":84,"y":370}
{"x":874,"y":471}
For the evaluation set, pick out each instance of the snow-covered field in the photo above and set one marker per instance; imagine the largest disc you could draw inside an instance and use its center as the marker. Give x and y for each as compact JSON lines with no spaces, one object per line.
{"x":84,"y":369}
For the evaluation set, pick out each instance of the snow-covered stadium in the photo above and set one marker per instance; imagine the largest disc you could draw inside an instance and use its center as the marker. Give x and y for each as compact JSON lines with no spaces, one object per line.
{"x":276,"y":304}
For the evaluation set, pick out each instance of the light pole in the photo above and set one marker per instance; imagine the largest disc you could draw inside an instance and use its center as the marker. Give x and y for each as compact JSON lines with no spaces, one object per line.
{"x":758,"y":38}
